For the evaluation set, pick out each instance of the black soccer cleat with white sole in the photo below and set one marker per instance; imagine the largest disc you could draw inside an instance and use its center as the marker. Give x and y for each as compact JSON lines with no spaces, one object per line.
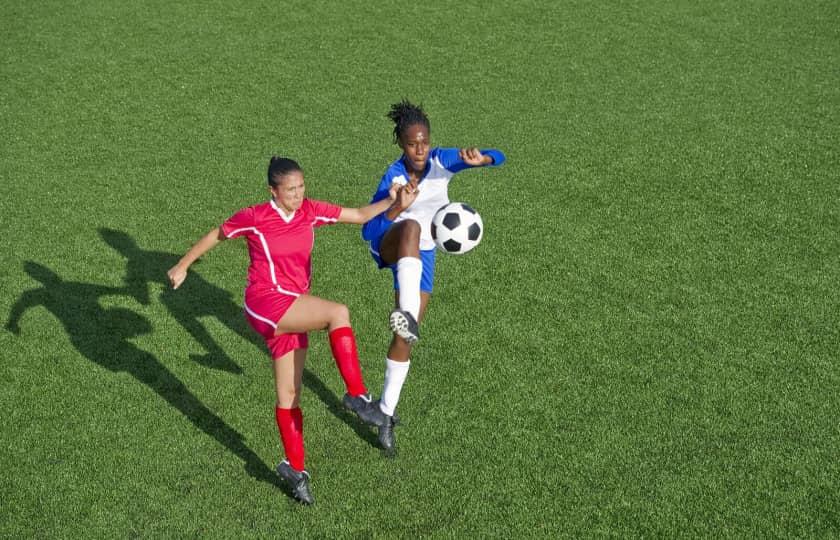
{"x":386,"y":437}
{"x":366,"y":409}
{"x":297,"y":481}
{"x":404,"y":325}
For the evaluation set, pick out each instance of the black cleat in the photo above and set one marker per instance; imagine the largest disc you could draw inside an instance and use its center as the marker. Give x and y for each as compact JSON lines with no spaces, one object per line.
{"x":404,"y":325}
{"x":386,"y":433}
{"x":298,"y":482}
{"x":366,"y":409}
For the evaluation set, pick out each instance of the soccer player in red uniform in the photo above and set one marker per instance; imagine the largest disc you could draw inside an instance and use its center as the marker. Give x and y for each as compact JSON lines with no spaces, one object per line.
{"x":280,"y":236}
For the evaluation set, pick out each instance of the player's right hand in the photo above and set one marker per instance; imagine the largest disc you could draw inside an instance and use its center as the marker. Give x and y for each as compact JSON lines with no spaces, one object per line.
{"x":406,"y":195}
{"x":177,"y":275}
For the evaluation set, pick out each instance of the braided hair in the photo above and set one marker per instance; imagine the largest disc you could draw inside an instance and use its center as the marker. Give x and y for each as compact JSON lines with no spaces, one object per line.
{"x":404,"y":115}
{"x":279,"y":167}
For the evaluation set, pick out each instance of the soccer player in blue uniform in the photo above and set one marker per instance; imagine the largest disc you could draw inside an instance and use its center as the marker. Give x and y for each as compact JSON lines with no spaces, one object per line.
{"x":401,"y":239}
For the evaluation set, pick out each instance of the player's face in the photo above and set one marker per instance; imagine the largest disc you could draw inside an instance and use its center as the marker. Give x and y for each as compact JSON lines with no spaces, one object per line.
{"x":288,"y":193}
{"x":415,"y":145}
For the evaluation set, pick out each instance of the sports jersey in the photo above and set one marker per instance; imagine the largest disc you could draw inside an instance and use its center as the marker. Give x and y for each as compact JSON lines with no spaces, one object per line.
{"x":280,"y":246}
{"x":433,"y":193}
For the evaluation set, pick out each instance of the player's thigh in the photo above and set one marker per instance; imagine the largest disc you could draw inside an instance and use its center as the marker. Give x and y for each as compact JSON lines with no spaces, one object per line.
{"x":311,"y":313}
{"x":401,"y":239}
{"x":288,"y":374}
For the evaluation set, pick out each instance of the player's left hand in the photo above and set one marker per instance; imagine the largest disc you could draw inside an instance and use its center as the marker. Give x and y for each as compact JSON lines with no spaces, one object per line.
{"x":472,"y":156}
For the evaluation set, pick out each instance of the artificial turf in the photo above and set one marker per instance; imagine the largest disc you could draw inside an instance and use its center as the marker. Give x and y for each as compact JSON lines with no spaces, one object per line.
{"x":644,"y":344}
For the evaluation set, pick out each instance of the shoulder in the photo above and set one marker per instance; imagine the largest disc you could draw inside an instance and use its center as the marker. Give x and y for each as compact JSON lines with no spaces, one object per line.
{"x":395,"y":171}
{"x":317,"y":207}
{"x":445,"y":159}
{"x":319,"y":212}
{"x":242,"y":220}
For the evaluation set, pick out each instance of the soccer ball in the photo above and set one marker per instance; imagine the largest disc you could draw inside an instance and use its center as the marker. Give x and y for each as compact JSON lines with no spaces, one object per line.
{"x":457,"y":228}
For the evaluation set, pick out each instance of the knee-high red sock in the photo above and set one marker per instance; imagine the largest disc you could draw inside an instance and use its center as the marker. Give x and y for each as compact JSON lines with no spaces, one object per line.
{"x":343,"y":344}
{"x":290,"y":424}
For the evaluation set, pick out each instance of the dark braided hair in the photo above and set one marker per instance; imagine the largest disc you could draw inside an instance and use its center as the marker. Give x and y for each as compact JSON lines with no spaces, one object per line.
{"x":404,"y":115}
{"x":279,"y":167}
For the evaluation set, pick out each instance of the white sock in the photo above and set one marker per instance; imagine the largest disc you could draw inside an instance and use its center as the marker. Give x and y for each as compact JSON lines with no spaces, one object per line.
{"x":409,"y":270}
{"x":395,"y":373}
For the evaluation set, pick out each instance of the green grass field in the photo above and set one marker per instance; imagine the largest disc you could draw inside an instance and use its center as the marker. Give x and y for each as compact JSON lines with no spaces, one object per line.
{"x":645,"y":344}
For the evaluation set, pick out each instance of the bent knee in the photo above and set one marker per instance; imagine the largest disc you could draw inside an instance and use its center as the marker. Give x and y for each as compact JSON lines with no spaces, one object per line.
{"x":410,"y":229}
{"x":340,"y":315}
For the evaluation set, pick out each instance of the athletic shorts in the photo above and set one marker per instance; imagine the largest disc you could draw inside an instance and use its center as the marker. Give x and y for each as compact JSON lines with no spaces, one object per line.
{"x":427,"y":257}
{"x":264,"y":307}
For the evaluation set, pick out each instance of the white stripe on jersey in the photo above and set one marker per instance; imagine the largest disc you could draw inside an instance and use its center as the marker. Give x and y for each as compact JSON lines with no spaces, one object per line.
{"x":267,"y":256}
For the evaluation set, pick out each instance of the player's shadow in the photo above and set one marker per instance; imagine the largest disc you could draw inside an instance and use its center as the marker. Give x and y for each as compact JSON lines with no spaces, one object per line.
{"x":195,"y":299}
{"x":199,"y":298}
{"x":334,"y":405}
{"x":102,"y":336}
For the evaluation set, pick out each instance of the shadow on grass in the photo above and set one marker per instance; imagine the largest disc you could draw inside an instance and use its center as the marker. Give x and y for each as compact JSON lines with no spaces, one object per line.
{"x":335,"y":406}
{"x":199,"y":298}
{"x":102,"y":336}
{"x":195,"y":299}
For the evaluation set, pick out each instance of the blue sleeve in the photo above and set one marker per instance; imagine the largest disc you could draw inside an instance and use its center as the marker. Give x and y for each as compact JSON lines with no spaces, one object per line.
{"x":452,"y":162}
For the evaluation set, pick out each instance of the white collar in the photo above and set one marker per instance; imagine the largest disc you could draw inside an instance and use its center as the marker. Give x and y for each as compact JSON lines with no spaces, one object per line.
{"x":286,"y":217}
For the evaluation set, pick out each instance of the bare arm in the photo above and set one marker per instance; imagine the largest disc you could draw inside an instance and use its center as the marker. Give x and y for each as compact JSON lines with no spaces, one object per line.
{"x":178,"y":273}
{"x":364,"y":214}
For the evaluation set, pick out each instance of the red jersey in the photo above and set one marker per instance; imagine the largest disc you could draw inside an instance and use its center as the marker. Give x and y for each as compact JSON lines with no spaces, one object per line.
{"x":280,"y":246}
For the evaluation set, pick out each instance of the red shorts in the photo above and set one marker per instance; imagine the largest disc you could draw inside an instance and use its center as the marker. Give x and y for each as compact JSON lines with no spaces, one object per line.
{"x":264,"y":308}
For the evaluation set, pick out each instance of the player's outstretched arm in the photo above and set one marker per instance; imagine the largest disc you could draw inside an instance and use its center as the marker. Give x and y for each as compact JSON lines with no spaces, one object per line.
{"x":364,"y":214}
{"x":27,"y":300}
{"x":458,"y":159}
{"x":178,"y":273}
{"x":474,"y":158}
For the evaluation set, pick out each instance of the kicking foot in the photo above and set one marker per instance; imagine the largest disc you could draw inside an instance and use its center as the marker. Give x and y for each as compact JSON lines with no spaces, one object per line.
{"x":404,"y":325}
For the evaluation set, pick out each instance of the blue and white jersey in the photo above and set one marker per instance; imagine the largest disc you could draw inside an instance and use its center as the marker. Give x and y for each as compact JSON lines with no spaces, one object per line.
{"x":433,"y":192}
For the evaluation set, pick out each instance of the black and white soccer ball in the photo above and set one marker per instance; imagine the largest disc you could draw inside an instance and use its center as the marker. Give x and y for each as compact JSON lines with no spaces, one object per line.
{"x":457,"y":228}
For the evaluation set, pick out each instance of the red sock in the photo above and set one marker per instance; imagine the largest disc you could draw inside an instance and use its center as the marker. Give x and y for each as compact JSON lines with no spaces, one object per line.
{"x":343,"y":344}
{"x":290,"y":424}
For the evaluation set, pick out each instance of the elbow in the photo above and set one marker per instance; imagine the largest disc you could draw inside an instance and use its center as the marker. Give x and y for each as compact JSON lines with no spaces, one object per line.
{"x":359,"y":218}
